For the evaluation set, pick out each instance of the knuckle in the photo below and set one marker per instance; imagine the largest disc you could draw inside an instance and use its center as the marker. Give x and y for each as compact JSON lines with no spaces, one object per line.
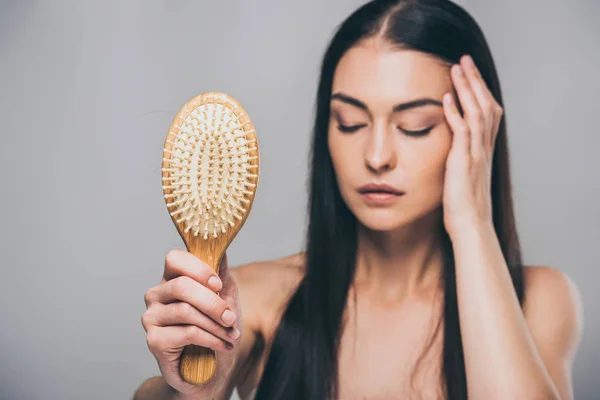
{"x":192,"y":334}
{"x":487,"y":107}
{"x":153,"y":340}
{"x":147,"y":320}
{"x":481,"y":120}
{"x":148,"y":297}
{"x":463,"y":127}
{"x":478,"y":115}
{"x":171,"y":258}
{"x":183,"y":311}
{"x":172,"y":255}
{"x":179,"y":286}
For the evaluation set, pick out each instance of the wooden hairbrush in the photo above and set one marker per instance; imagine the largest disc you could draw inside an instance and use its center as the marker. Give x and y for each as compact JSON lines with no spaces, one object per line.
{"x":210,"y":174}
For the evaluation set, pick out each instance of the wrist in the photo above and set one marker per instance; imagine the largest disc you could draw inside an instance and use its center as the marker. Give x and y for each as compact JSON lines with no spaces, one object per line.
{"x":470,"y":231}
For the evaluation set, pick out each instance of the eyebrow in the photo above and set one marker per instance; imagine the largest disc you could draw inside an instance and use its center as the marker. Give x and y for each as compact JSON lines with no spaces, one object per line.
{"x":398,"y":107}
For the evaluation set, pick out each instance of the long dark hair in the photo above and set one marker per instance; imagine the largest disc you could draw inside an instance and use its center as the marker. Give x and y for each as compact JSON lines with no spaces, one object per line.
{"x":303,"y":359}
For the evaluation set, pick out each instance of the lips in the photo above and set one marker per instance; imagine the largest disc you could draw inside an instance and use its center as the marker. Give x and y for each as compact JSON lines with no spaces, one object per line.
{"x":380,"y":188}
{"x":380,"y":194}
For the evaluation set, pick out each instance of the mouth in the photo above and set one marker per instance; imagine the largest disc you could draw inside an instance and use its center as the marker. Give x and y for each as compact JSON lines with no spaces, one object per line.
{"x":380,"y":194}
{"x":380,"y":188}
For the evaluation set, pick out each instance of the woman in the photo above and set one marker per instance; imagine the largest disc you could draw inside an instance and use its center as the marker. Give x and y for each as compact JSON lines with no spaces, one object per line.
{"x":411,"y":285}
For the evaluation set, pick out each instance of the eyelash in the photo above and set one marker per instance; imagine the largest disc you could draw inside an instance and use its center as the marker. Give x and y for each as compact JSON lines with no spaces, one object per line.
{"x":351,"y":129}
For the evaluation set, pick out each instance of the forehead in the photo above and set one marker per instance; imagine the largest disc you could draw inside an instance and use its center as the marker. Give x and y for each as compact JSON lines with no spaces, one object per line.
{"x":380,"y":75}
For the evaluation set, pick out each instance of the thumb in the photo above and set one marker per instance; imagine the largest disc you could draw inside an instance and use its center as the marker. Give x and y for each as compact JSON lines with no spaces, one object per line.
{"x":226,"y":278}
{"x":229,"y":292}
{"x":223,"y":268}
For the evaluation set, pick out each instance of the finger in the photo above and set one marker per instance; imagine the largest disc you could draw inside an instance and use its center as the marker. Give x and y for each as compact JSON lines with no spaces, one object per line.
{"x":184,"y":288}
{"x":223,"y":269}
{"x":229,"y":292}
{"x":484,"y":97}
{"x":180,"y":313}
{"x":162,"y":339}
{"x":183,"y":263}
{"x":495,"y":130}
{"x":459,"y":128}
{"x":473,"y":114}
{"x":230,"y":295}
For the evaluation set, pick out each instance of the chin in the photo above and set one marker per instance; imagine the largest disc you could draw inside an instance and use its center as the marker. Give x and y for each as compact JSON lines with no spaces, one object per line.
{"x":382,"y":220}
{"x":389,"y":219}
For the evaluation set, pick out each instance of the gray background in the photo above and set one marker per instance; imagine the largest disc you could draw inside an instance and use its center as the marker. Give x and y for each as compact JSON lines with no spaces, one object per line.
{"x":87,"y":93}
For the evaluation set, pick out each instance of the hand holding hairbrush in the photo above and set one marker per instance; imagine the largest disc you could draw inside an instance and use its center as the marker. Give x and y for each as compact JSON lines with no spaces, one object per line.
{"x":210,"y":175}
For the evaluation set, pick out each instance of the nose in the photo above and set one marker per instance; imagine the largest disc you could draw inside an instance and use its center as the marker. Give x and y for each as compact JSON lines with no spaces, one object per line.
{"x":380,"y":155}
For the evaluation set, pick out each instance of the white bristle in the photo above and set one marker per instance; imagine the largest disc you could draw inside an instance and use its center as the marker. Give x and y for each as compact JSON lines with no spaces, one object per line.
{"x":211,"y":171}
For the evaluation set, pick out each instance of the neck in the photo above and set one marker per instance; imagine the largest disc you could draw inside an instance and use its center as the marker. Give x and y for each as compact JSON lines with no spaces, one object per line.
{"x":393,"y":266}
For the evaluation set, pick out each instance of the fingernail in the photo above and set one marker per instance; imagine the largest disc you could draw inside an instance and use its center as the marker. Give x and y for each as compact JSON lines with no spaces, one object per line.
{"x":458,"y":70}
{"x":469,"y":61}
{"x":448,"y":98}
{"x":228,"y":317}
{"x":234,"y":333}
{"x":214,"y":283}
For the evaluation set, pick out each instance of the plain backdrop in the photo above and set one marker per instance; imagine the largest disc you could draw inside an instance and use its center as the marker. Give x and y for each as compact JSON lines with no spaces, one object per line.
{"x":88,"y":90}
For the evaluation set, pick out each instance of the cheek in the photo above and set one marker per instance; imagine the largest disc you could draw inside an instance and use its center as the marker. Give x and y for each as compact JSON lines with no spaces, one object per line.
{"x":333,"y":148}
{"x":342,"y":155}
{"x":430,"y":163}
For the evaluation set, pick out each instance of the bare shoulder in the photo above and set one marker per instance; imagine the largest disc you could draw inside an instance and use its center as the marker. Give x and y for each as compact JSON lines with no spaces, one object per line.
{"x":265,"y":286}
{"x":545,"y":286}
{"x":553,"y":310}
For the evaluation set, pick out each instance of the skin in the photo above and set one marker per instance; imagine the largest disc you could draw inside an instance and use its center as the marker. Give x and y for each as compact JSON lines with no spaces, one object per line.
{"x":509,"y":353}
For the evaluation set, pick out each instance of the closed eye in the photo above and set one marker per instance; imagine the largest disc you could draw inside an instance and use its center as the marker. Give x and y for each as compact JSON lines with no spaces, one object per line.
{"x":422,"y":132}
{"x":354,"y":128}
{"x":350,"y":129}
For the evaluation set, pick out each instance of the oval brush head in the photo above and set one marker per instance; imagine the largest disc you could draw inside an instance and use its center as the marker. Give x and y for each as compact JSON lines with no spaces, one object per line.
{"x":210,"y":175}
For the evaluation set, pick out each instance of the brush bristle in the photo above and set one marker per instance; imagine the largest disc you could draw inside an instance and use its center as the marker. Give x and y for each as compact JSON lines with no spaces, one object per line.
{"x":210,"y":168}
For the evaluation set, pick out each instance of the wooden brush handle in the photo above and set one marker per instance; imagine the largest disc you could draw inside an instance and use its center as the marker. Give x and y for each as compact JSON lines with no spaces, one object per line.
{"x":198,"y":364}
